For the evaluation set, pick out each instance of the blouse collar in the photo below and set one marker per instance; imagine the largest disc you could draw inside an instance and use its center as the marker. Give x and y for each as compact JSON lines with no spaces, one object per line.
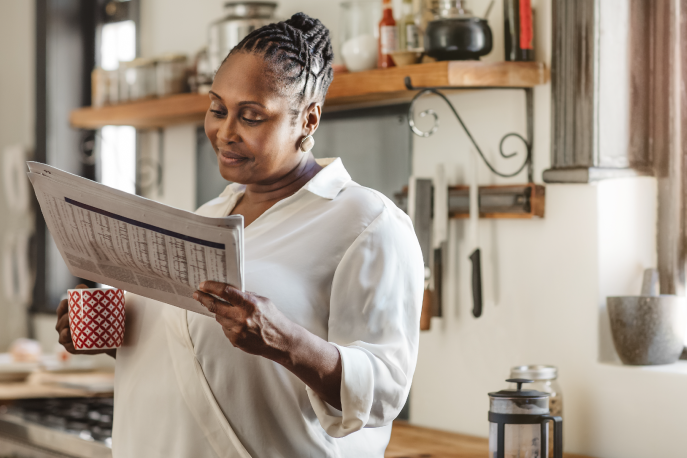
{"x":330,"y":180}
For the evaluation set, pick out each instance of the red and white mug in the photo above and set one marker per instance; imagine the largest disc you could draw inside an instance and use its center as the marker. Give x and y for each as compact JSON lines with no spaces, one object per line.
{"x":96,"y":318}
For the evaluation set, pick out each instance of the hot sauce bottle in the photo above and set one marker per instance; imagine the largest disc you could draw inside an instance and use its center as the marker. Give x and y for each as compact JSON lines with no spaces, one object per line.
{"x":387,"y":36}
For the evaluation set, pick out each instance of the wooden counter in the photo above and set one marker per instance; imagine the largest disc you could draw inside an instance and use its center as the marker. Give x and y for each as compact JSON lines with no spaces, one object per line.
{"x":409,"y":441}
{"x":57,"y":385}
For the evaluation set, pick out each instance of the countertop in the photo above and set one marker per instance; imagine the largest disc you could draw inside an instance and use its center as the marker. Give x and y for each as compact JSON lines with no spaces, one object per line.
{"x":59,"y":385}
{"x":409,"y":441}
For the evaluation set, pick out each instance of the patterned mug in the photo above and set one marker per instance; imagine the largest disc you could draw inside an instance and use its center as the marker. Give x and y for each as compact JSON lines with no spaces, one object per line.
{"x":96,"y":318}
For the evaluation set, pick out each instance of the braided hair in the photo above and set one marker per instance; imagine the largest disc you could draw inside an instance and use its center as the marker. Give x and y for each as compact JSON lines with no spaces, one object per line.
{"x":300,"y":51}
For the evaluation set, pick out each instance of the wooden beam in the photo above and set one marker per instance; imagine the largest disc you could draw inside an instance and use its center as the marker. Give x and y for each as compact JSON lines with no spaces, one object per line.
{"x":669,"y":115}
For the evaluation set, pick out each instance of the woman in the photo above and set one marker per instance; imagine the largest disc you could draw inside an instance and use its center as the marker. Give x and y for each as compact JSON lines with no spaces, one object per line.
{"x":318,"y":360}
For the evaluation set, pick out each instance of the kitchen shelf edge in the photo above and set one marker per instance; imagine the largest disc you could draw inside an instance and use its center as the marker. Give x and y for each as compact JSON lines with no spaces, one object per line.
{"x":348,"y":90}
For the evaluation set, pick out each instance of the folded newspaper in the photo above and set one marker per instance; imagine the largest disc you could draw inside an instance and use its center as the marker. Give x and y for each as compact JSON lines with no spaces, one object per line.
{"x":135,"y":244}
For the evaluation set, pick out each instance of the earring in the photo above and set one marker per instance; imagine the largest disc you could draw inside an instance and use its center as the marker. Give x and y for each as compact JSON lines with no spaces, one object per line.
{"x":307,"y":143}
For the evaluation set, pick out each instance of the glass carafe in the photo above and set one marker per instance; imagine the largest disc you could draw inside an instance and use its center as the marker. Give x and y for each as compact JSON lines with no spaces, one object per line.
{"x":518,"y":424}
{"x":545,"y":379}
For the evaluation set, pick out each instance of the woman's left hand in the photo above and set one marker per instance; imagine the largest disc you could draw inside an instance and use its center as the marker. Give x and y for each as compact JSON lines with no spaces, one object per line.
{"x":251,"y":322}
{"x":255,"y":325}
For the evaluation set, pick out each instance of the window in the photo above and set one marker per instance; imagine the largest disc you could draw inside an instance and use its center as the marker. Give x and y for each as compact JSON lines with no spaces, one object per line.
{"x":117,"y":144}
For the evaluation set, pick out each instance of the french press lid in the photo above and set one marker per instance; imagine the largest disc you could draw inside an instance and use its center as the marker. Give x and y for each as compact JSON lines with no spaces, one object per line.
{"x":519,"y":392}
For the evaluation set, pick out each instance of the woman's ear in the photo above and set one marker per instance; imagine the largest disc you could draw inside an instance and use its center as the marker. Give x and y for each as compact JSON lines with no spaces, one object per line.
{"x":311,"y":121}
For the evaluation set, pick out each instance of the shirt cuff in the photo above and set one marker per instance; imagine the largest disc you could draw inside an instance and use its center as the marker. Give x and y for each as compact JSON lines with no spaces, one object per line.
{"x":357,"y":393}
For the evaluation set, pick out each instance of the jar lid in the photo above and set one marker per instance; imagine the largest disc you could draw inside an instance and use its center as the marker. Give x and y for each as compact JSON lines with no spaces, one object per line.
{"x":249,"y":9}
{"x":138,"y":62}
{"x":519,"y":392}
{"x":535,"y":372}
{"x":172,"y":58}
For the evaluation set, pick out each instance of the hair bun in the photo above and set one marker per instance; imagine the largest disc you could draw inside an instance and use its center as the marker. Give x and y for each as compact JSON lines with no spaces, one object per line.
{"x":308,"y":26}
{"x":301,"y":46}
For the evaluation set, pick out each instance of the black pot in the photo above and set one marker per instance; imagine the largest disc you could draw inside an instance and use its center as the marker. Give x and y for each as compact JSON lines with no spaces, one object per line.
{"x":458,"y":39}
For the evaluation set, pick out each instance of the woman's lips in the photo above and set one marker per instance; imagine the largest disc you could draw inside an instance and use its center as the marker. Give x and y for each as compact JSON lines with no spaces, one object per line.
{"x":230,"y":159}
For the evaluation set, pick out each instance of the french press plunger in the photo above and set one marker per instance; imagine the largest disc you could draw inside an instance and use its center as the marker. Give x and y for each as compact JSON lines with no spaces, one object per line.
{"x":518,"y":424}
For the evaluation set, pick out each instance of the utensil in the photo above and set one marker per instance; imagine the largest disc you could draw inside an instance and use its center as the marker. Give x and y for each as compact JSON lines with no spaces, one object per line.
{"x":240,"y":19}
{"x":488,"y":11}
{"x":476,"y":256}
{"x":648,"y":329}
{"x":518,"y":422}
{"x":440,"y":238}
{"x":455,"y":34}
{"x":420,"y":213}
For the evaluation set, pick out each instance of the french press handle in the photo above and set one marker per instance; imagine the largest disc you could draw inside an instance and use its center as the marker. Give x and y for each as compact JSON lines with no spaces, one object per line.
{"x":557,"y":436}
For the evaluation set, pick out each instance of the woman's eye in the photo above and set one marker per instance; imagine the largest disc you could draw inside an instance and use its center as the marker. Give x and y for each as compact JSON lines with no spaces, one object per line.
{"x":218,"y":113}
{"x":252,"y":122}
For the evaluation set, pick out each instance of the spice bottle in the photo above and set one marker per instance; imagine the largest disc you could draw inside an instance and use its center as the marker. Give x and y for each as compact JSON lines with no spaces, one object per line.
{"x":388,"y":40}
{"x":518,"y":30}
{"x":409,"y":36}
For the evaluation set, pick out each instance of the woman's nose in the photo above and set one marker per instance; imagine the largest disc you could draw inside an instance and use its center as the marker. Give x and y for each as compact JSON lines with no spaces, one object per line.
{"x":227,"y":131}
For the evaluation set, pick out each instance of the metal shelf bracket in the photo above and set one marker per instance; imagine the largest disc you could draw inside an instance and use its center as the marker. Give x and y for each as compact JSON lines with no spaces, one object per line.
{"x":529,"y":108}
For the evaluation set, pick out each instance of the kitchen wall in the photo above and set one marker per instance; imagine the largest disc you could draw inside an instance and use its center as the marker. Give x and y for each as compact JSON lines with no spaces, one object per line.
{"x":545,"y":280}
{"x":16,"y":141}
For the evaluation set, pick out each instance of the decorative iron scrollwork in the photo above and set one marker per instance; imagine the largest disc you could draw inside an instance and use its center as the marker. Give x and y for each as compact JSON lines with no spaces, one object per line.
{"x":435,"y":127}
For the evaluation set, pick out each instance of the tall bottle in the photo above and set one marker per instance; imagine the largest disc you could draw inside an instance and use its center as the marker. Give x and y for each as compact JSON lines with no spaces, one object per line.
{"x":388,"y":40}
{"x":519,"y":30}
{"x":408,"y":34}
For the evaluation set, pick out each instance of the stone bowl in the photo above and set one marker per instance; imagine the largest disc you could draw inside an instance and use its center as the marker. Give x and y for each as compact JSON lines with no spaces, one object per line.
{"x":648,"y":330}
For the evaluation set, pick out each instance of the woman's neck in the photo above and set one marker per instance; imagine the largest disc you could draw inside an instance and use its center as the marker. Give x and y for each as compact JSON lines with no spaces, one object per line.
{"x":285,"y":186}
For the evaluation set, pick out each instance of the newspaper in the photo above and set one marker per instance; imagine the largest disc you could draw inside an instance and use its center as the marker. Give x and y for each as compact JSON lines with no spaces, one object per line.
{"x":135,"y":244}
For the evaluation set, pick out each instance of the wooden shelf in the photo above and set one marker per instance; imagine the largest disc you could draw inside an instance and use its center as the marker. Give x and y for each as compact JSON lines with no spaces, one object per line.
{"x":347,"y":91}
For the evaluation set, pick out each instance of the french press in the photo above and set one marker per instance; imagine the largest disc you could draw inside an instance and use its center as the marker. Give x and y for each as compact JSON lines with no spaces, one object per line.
{"x":518,"y":424}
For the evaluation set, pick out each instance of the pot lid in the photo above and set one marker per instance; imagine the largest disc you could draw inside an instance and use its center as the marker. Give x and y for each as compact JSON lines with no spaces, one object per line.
{"x":519,"y":392}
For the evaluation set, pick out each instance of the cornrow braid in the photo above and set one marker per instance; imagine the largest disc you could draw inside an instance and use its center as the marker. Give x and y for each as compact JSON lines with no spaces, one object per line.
{"x":301,"y":49}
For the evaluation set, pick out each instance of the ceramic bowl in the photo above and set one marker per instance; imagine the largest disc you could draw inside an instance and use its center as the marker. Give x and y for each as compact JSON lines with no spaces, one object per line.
{"x":403,"y":58}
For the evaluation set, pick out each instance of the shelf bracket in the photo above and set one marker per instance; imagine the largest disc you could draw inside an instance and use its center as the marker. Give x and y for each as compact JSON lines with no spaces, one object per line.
{"x":529,"y":109}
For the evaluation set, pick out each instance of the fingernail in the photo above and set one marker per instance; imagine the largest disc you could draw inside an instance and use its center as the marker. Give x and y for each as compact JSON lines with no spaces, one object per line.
{"x":195,"y":296}
{"x":201,"y":286}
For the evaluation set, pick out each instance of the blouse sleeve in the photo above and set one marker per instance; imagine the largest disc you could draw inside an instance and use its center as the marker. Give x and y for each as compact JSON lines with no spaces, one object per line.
{"x":374,"y":323}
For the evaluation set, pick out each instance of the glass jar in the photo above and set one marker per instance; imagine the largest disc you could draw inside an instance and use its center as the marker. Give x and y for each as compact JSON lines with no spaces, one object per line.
{"x":136,"y":80}
{"x":359,"y":34}
{"x":545,"y":380}
{"x":170,"y":75}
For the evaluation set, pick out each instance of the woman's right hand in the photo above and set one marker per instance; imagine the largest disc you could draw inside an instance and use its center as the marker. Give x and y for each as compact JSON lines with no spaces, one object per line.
{"x":65,"y":334}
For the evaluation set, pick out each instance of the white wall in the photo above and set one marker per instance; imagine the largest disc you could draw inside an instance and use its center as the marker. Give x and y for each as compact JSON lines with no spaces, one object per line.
{"x":16,"y":130}
{"x":545,"y":280}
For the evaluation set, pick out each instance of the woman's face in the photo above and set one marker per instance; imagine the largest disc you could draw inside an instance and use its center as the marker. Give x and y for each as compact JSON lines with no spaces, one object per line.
{"x":250,"y":123}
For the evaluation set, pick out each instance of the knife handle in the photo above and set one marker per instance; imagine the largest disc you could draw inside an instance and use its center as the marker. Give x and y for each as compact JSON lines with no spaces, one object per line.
{"x":476,"y":259}
{"x":426,"y":314}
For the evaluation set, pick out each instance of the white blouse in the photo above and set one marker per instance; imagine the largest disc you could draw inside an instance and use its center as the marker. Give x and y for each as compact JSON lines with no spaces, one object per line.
{"x":342,"y":261}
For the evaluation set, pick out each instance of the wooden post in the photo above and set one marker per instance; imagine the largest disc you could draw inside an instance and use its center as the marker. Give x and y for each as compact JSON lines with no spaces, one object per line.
{"x":669,"y":137}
